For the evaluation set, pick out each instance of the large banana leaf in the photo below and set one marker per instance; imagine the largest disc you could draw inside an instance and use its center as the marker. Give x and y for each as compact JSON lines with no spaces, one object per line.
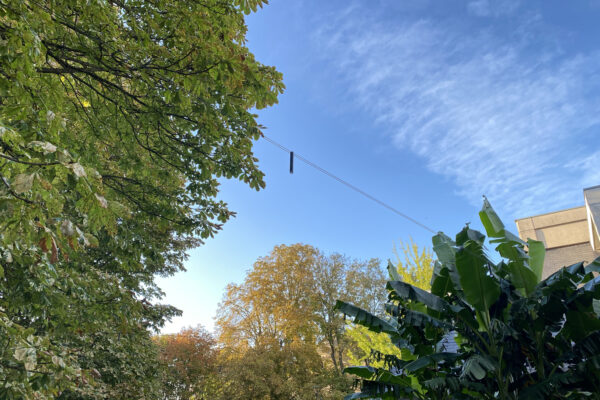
{"x":525,"y":270}
{"x":480,"y":289}
{"x":537,"y":253}
{"x":445,"y":278}
{"x":365,"y":318}
{"x":441,"y":282}
{"x":522,"y":277}
{"x":415,"y":318}
{"x":404,"y":291}
{"x":477,"y":367}
{"x":594,"y":266}
{"x":379,"y":375}
{"x":443,"y":247}
{"x":547,"y":387}
{"x":563,"y":277}
{"x":469,"y":234}
{"x":431,"y":359}
{"x":442,"y":382}
{"x":491,"y":222}
{"x":393,"y":272}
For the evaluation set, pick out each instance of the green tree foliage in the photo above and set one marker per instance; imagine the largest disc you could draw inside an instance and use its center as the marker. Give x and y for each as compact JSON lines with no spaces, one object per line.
{"x":517,"y":337}
{"x":414,"y":267}
{"x":358,"y":282}
{"x":280,"y":335}
{"x":366,"y":343}
{"x":273,"y":370}
{"x":116,"y":119}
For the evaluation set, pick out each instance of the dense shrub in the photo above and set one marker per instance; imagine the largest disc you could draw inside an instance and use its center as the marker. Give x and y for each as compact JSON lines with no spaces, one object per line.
{"x":490,"y":330}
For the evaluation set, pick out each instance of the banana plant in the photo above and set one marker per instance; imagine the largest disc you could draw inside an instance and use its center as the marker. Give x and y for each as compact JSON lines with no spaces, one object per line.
{"x":488,"y":329}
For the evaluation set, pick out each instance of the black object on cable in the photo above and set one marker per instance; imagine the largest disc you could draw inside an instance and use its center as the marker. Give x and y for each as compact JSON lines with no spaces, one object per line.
{"x":343,"y":182}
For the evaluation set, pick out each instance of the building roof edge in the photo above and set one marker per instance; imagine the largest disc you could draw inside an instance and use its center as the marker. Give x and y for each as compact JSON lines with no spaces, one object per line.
{"x":550,"y":212}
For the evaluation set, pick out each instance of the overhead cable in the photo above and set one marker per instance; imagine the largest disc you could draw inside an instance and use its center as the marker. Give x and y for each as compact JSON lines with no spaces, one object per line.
{"x":343,"y":182}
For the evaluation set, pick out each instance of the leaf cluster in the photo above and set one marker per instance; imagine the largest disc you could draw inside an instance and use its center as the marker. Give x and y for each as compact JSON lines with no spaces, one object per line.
{"x":490,"y":330}
{"x":117,"y":119}
{"x":413,"y":266}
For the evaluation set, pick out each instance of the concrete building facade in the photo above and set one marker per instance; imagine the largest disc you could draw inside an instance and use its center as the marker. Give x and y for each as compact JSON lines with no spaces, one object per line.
{"x":570,"y":235}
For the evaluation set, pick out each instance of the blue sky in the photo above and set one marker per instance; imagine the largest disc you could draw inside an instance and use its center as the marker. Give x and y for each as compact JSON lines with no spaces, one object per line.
{"x":427,"y":105}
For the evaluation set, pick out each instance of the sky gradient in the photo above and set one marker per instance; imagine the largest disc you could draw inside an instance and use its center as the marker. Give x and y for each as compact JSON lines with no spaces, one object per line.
{"x":426,"y":105}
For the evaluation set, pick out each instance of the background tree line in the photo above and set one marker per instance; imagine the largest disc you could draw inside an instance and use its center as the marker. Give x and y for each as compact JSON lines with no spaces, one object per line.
{"x":278,"y":335}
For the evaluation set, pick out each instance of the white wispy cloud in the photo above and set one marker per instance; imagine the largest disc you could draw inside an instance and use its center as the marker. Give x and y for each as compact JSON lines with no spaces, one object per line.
{"x":492,"y":8}
{"x":509,"y":118}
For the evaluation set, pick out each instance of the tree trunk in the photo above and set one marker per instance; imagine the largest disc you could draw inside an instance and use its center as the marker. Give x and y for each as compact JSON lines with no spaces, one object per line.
{"x":331,"y":341}
{"x":340,"y":354}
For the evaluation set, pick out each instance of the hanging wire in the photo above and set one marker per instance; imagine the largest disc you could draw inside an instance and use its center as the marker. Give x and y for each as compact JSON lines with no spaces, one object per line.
{"x":347,"y":184}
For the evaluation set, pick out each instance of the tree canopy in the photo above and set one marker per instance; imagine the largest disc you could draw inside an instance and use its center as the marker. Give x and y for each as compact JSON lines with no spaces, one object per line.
{"x":189,"y":361}
{"x":412,"y":266}
{"x":280,"y":335}
{"x":116,"y":120}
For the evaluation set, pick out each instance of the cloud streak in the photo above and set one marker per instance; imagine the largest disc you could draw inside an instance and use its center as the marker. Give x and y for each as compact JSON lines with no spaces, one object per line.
{"x":494,"y":8}
{"x":508,"y":118}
